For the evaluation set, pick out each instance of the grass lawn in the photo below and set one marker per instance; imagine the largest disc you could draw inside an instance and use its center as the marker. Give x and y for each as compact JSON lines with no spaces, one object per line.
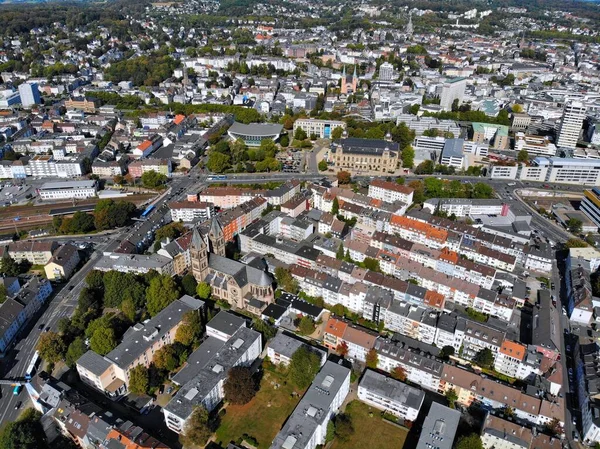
{"x":263,"y":416}
{"x":370,"y":432}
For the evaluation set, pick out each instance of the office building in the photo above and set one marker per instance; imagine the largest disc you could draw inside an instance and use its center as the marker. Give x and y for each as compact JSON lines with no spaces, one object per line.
{"x":386,"y":72}
{"x":390,"y":395}
{"x":453,"y":89}
{"x":452,"y":154}
{"x":30,"y":94}
{"x":494,"y":135}
{"x":574,"y":114}
{"x":306,"y":428}
{"x":320,"y":128}
{"x":439,"y":428}
{"x":68,"y":190}
{"x":590,"y":205}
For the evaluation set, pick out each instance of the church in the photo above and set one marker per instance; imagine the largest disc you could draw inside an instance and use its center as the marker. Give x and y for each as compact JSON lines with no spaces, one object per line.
{"x":349,"y":83}
{"x":242,"y":286}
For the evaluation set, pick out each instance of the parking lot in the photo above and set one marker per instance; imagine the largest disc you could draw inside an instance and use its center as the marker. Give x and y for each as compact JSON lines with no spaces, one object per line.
{"x":14,"y":194}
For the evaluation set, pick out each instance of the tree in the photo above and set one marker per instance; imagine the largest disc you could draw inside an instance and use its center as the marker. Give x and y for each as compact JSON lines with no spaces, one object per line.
{"x":128,"y":308}
{"x":264,"y":328}
{"x":425,"y":168}
{"x":517,"y":108}
{"x":190,"y":330}
{"x":285,"y":280}
{"x":372,"y":359}
{"x":103,"y":341}
{"x":482,"y":190}
{"x":9,"y":266}
{"x":240,"y":386}
{"x":300,"y":134}
{"x":197,"y":430}
{"x":554,"y":426}
{"x":452,"y":397}
{"x":203,"y":290}
{"x":574,"y":225}
{"x":170,"y":231}
{"x":371,"y":264}
{"x":218,"y":162}
{"x":575,"y":243}
{"x":306,"y":325}
{"x":337,"y":133}
{"x":472,"y":441}
{"x":399,"y":373}
{"x":484,"y":358}
{"x":109,"y":214}
{"x":75,"y":350}
{"x":166,"y":358}
{"x":323,"y":165}
{"x":342,"y":349}
{"x":343,"y":427}
{"x":335,"y":206}
{"x":161,"y":292}
{"x":344,"y":177}
{"x":51,"y":347}
{"x":3,"y":293}
{"x":304,"y":366}
{"x":446,"y":352}
{"x":138,"y":380}
{"x":339,"y":255}
{"x":408,"y":157}
{"x":24,"y":433}
{"x":523,"y":156}
{"x":189,"y":284}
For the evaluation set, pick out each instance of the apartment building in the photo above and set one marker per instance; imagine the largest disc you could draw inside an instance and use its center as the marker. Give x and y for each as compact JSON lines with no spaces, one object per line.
{"x":162,"y":166}
{"x":499,"y":433}
{"x":63,"y":263}
{"x":439,"y":428}
{"x":282,"y":347}
{"x":306,"y":428}
{"x":390,"y":192}
{"x":359,"y":341}
{"x":37,"y":252}
{"x":190,"y":211}
{"x":390,"y":395}
{"x":574,"y":113}
{"x":135,"y":263}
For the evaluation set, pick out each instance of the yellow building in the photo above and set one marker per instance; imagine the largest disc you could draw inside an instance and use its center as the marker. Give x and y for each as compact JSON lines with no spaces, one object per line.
{"x":366,"y":155}
{"x":63,"y":263}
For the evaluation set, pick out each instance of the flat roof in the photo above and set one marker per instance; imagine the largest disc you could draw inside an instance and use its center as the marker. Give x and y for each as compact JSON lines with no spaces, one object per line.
{"x":439,"y":428}
{"x":256,"y":129}
{"x":68,"y":185}
{"x":392,"y":389}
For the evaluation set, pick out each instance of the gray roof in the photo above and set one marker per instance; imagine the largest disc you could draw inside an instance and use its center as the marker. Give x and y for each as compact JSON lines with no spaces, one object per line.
{"x":243,"y":274}
{"x":392,"y":389}
{"x":439,"y":428}
{"x":354,"y":145}
{"x":206,"y":367}
{"x":288,"y":345}
{"x":93,"y":362}
{"x":226,"y":323}
{"x":67,"y":185}
{"x":453,"y":148}
{"x":256,"y":129}
{"x":314,"y":408}
{"x":140,"y":337}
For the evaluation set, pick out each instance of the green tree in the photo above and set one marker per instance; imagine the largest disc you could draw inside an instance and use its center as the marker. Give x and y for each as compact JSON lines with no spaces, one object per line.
{"x":575,"y":243}
{"x":103,"y":340}
{"x":166,"y":358}
{"x":203,"y":290}
{"x":574,"y":225}
{"x":339,"y":255}
{"x":451,"y":397}
{"x":267,"y":330}
{"x":323,"y":165}
{"x":285,"y":280}
{"x":425,"y":168}
{"x":3,"y":293}
{"x":484,"y":358}
{"x":335,"y":206}
{"x":128,"y":308}
{"x":372,"y":359}
{"x":190,"y":330}
{"x":51,"y":347}
{"x":337,"y":133}
{"x":197,"y":430}
{"x":300,"y":134}
{"x":482,"y":190}
{"x":446,"y":352}
{"x":304,"y":366}
{"x":189,"y":284}
{"x":408,"y":157}
{"x":109,"y":214}
{"x":24,"y":433}
{"x":344,"y":429}
{"x":139,"y":380}
{"x":240,"y":386}
{"x":218,"y":162}
{"x":306,"y":325}
{"x":523,"y":156}
{"x":152,"y":179}
{"x":371,"y":264}
{"x":9,"y":266}
{"x":161,"y":292}
{"x":472,"y":441}
{"x":75,"y":350}
{"x":170,"y":231}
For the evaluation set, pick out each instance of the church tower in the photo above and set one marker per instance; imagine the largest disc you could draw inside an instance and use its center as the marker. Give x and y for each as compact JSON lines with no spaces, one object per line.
{"x":354,"y":80}
{"x":344,"y":86}
{"x":216,"y":239}
{"x":199,"y":256}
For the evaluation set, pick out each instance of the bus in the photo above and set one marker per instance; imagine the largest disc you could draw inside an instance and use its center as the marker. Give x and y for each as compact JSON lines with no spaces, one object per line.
{"x":17,"y":390}
{"x":147,"y":211}
{"x":32,"y":366}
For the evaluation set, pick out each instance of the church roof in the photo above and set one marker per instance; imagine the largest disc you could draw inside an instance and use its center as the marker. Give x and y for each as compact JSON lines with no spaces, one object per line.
{"x":242,"y":273}
{"x":215,"y":226}
{"x":197,"y":241}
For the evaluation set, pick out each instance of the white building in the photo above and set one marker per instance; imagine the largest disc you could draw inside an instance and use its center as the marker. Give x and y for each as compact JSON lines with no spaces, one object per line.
{"x":390,"y":192}
{"x":574,"y":114}
{"x":306,"y":428}
{"x":499,"y":433}
{"x":30,"y":94}
{"x":537,"y":145}
{"x":390,"y":395}
{"x":188,"y":211}
{"x":386,"y":72}
{"x":68,"y":190}
{"x":452,"y":90}
{"x":321,"y":128}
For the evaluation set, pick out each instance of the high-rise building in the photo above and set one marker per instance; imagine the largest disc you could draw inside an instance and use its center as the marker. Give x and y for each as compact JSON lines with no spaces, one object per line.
{"x":453,"y":89}
{"x":386,"y":72}
{"x":574,"y":114}
{"x":30,"y":94}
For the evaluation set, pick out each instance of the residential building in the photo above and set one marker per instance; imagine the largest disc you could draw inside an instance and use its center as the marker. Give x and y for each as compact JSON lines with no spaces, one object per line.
{"x":306,"y":428}
{"x":320,"y":128}
{"x":68,"y":190}
{"x":135,"y":263}
{"x":229,"y":343}
{"x":358,"y":341}
{"x":189,"y":211}
{"x":494,"y":135}
{"x":453,"y":89}
{"x":390,"y":395}
{"x":439,"y":428}
{"x":590,"y":205}
{"x":37,"y":252}
{"x":386,"y":72}
{"x":574,"y":113}
{"x":138,"y":168}
{"x":63,"y":263}
{"x":390,"y":192}
{"x":82,"y":104}
{"x":499,"y":433}
{"x":282,"y":347}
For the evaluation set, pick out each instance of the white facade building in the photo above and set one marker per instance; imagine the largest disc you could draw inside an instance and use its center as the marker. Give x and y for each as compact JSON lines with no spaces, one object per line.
{"x":68,"y":190}
{"x":574,"y":114}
